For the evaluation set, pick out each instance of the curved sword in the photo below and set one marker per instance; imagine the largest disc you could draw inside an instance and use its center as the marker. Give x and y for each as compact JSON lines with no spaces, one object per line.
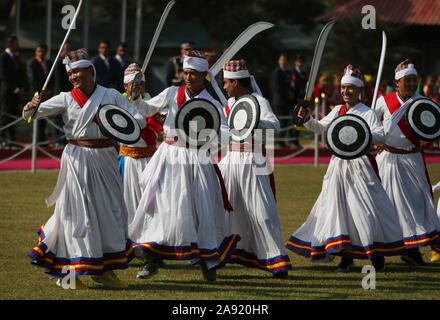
{"x":319,"y":48}
{"x":238,"y":43}
{"x":138,"y":77}
{"x":317,"y":58}
{"x":54,"y":64}
{"x":156,"y":34}
{"x":379,"y":72}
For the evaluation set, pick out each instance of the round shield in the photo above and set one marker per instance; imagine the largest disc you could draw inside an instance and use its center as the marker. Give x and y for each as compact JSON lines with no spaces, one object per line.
{"x":348,"y":136}
{"x":244,"y":117}
{"x":118,"y":124}
{"x":423,"y":118}
{"x":197,"y":122}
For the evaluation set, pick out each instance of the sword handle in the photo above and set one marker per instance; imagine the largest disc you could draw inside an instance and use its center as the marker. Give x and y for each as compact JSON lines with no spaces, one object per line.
{"x":303,"y":104}
{"x":38,"y":105}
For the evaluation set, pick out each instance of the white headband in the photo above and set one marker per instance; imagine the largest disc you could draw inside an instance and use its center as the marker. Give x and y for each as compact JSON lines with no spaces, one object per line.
{"x":198,"y":64}
{"x":243,"y":74}
{"x":349,"y":79}
{"x":201,"y":65}
{"x":405,"y":72}
{"x":130,"y":77}
{"x":84,"y":63}
{"x":236,"y":75}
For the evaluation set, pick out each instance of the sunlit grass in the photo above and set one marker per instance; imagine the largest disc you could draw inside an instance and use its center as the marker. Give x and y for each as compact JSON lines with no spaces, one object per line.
{"x":23,"y":210}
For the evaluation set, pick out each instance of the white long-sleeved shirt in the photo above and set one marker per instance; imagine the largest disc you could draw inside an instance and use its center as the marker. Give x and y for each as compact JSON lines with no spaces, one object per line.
{"x":167,"y":100}
{"x":394,"y":137}
{"x":65,"y":105}
{"x":268,"y":120}
{"x":361,"y":110}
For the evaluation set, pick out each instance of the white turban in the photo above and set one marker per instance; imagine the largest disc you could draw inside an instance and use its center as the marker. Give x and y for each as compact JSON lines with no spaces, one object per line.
{"x":352,"y":76}
{"x":131,"y":72}
{"x":79,"y":64}
{"x":237,"y":69}
{"x":130,"y":77}
{"x":405,"y":72}
{"x":201,"y":64}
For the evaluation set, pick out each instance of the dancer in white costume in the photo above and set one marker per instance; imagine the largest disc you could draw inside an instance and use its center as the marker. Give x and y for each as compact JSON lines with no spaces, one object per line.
{"x":252,"y":192}
{"x":181,"y":215}
{"x":403,"y":171}
{"x":87,"y":234}
{"x":134,"y":158}
{"x":352,"y":217}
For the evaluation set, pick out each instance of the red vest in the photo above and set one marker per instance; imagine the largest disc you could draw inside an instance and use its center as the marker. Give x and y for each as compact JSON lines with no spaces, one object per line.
{"x":81,"y":100}
{"x":181,"y":98}
{"x":393,"y":104}
{"x":151,"y":131}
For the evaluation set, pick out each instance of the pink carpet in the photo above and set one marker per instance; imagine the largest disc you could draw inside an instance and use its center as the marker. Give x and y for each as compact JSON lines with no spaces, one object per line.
{"x":47,"y":163}
{"x":26,"y":164}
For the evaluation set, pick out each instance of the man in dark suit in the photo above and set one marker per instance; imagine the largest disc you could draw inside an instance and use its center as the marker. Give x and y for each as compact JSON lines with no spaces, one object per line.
{"x":298,"y":83}
{"x":174,"y":67}
{"x":121,"y":55}
{"x":282,"y":101}
{"x":37,"y":70}
{"x":109,"y":72}
{"x":12,"y":88}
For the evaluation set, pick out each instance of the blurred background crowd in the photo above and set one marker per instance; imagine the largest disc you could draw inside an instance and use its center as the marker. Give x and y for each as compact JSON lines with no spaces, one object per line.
{"x":118,"y":33}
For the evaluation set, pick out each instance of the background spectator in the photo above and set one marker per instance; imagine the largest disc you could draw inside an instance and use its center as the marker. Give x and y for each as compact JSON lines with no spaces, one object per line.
{"x":174,"y":67}
{"x":122,"y":54}
{"x":211,"y":57}
{"x":282,"y":96}
{"x":109,"y":72}
{"x":336,"y":96}
{"x":12,"y":79}
{"x":437,"y":88}
{"x":299,"y":82}
{"x":37,"y":70}
{"x":262,"y":77}
{"x":429,"y":88}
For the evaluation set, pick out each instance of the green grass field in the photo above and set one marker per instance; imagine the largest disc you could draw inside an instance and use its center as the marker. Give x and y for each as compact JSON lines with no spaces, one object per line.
{"x":23,"y":210}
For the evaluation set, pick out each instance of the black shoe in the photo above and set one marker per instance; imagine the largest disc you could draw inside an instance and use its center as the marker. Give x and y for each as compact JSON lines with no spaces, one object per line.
{"x":345,"y":265}
{"x":208,"y":274}
{"x":160,"y":263}
{"x":414,"y":258}
{"x":148,"y":269}
{"x":280,"y":275}
{"x":378,"y":263}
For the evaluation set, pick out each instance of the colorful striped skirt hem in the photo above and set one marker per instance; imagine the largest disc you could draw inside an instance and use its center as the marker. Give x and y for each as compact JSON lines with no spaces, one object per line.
{"x":60,"y":266}
{"x":223,"y":252}
{"x":273,"y":265}
{"x":342,"y":246}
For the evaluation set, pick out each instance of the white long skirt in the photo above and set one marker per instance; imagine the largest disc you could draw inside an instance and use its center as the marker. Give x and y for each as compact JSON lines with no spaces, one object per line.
{"x":181,"y":214}
{"x":132,"y":170}
{"x":352,"y":216}
{"x":405,"y":181}
{"x":87,"y":233}
{"x":255,"y":217}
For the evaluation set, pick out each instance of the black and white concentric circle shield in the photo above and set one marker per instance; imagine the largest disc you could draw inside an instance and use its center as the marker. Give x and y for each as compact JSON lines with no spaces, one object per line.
{"x":197,"y":123}
{"x":423,"y":118}
{"x":348,"y":136}
{"x":118,"y":123}
{"x":244,"y":117}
